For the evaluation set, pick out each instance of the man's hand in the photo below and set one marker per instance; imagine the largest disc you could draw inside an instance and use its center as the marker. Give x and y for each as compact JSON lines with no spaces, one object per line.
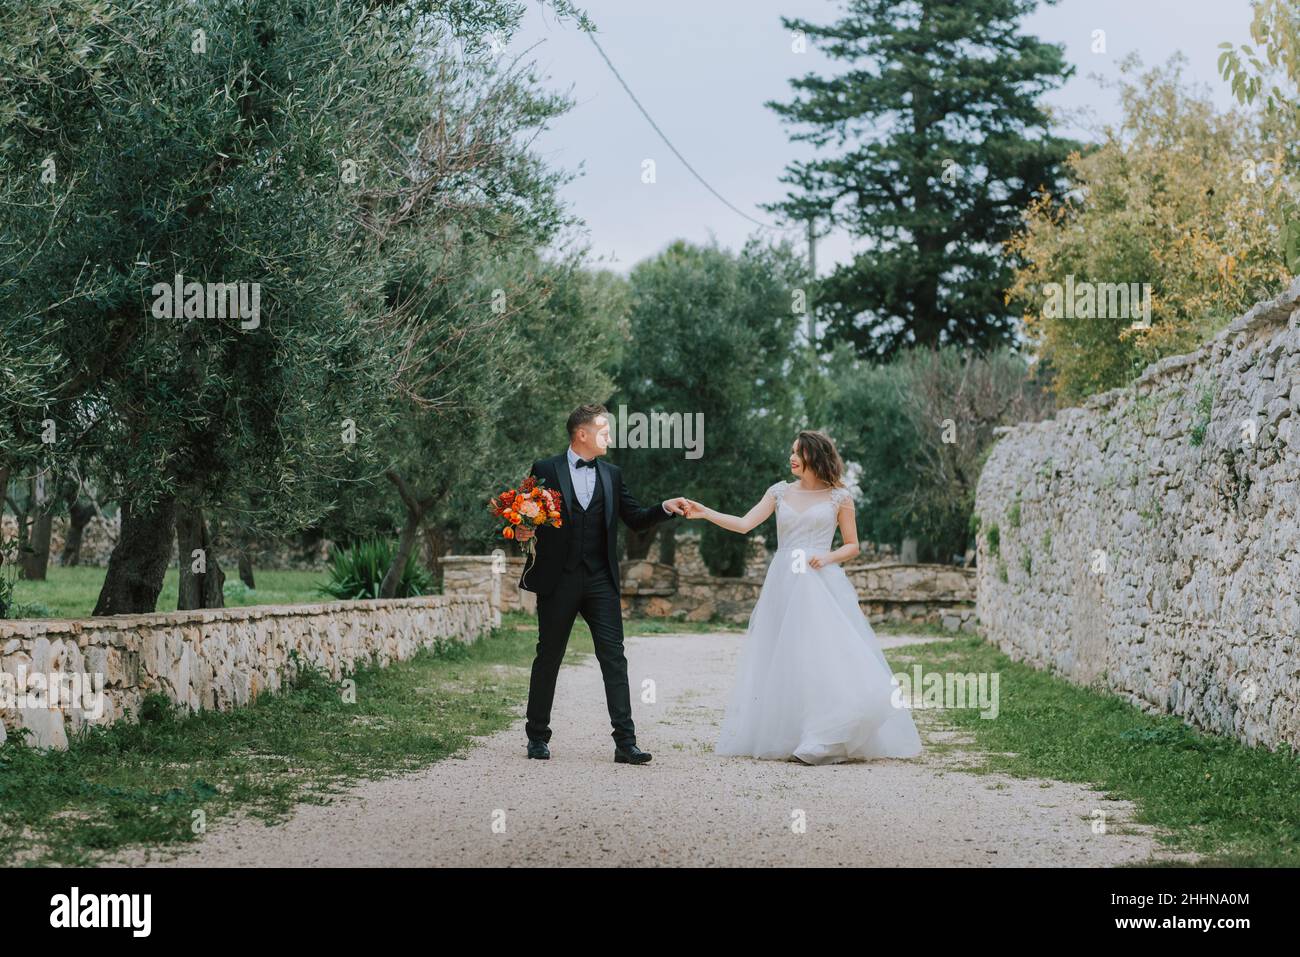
{"x":523,"y":534}
{"x":676,"y":505}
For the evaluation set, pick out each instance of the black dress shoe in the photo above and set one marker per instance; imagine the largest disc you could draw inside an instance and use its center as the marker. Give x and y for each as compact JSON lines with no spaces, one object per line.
{"x":539,"y":750}
{"x":630,"y":754}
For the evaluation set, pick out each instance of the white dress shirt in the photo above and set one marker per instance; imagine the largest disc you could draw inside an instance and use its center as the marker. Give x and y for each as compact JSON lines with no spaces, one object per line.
{"x":584,"y":480}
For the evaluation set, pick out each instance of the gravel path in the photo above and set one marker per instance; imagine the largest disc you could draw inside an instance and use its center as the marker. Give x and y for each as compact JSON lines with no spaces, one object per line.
{"x":493,"y":807}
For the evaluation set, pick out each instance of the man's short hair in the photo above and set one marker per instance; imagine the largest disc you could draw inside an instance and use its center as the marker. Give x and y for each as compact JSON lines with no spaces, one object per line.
{"x":584,"y":414}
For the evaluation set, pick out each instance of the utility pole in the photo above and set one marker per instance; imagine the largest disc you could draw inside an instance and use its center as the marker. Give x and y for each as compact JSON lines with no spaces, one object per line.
{"x":812,"y":281}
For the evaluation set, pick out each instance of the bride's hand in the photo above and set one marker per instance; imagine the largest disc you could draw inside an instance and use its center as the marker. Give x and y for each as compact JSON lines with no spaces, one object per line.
{"x":695,"y":509}
{"x":818,"y":561}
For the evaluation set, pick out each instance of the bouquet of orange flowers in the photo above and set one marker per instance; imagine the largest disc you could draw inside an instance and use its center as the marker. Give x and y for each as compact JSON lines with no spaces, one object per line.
{"x":529,"y":505}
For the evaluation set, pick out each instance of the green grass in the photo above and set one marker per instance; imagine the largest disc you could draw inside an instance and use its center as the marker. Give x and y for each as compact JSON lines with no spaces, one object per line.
{"x":909,"y":628}
{"x":141,"y":783}
{"x":1236,"y":805}
{"x":71,"y":592}
{"x":1204,"y":410}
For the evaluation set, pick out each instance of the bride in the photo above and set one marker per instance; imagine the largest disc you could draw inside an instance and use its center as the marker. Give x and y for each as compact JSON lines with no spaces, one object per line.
{"x":812,"y":683}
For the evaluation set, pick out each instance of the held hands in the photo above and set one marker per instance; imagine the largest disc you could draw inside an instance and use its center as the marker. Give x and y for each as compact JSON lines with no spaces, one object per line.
{"x":676,"y":505}
{"x":694,"y":509}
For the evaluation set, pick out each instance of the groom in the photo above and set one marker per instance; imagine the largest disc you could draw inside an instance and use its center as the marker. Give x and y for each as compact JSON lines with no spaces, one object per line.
{"x":575,"y":571}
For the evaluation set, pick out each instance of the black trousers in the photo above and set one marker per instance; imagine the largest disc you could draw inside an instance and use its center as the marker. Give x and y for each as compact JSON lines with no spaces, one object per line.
{"x":592,"y":595}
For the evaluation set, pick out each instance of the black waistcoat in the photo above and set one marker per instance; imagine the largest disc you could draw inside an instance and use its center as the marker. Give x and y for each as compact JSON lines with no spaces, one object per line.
{"x":587,"y":536}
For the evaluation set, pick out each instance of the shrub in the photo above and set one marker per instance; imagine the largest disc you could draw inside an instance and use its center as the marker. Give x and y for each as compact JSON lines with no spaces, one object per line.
{"x":358,"y":572}
{"x":918,"y":430}
{"x":1162,"y":199}
{"x":1204,"y":407}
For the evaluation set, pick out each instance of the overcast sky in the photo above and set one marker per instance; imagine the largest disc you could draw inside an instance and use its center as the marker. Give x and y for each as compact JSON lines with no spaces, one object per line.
{"x":704,"y":68}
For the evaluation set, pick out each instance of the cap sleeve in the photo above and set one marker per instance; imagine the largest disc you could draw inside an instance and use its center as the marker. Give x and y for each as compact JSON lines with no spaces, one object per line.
{"x":841,"y":497}
{"x":777,"y":490}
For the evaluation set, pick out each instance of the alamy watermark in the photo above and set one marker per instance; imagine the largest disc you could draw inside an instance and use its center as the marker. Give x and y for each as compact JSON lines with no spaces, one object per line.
{"x":179,"y":299}
{"x":1102,"y":300}
{"x":946,"y":690}
{"x":54,"y":691}
{"x":657,"y":430}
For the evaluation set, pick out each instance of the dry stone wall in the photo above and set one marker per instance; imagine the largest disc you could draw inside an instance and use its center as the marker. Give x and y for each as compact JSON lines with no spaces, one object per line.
{"x":218,"y":658}
{"x":1148,"y":542}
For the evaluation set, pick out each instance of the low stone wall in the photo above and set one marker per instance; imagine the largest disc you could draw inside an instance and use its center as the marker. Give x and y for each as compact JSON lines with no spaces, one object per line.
{"x":219,"y":658}
{"x":98,"y":538}
{"x":652,"y":590}
{"x":1148,"y":543}
{"x":688,"y":561}
{"x":940,"y":595}
{"x":494,"y":577}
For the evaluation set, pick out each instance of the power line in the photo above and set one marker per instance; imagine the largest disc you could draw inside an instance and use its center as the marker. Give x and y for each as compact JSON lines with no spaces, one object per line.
{"x":676,"y":152}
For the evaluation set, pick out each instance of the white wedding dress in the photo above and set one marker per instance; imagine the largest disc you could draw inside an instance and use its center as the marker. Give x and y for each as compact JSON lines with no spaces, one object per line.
{"x":812,"y":682}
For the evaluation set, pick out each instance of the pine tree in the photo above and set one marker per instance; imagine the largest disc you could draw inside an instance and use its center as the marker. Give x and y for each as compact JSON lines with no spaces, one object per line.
{"x":942,"y":142}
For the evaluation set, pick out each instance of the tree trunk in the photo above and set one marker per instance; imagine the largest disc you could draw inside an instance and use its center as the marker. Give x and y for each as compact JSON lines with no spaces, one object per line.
{"x":139,"y":561}
{"x":36,"y":563}
{"x":201,"y":579}
{"x":246,"y":570}
{"x":435,"y":546}
{"x":36,"y":560}
{"x":79,"y":516}
{"x":638,"y":543}
{"x":668,"y":547}
{"x":4,"y":494}
{"x":415,"y":512}
{"x":22,"y":526}
{"x":405,"y":544}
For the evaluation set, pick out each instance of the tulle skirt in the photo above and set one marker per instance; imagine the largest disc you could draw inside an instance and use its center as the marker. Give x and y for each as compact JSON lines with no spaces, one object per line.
{"x":812,"y":682}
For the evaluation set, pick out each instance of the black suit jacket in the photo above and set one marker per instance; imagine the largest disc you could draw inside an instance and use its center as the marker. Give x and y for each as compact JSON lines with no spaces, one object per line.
{"x":543,"y":572}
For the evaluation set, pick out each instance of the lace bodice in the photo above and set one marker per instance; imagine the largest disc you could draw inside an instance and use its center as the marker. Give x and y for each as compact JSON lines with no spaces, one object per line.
{"x":807,"y":519}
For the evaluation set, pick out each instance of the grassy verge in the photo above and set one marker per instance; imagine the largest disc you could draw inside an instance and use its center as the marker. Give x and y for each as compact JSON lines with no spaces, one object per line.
{"x":148,"y":783}
{"x":911,"y":628}
{"x":72,"y":592}
{"x":1239,"y":806}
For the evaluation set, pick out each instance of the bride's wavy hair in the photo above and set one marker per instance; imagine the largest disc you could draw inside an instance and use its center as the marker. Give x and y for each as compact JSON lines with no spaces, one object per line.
{"x":821,"y":457}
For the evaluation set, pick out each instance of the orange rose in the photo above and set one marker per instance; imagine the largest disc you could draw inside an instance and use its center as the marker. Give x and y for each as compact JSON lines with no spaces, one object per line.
{"x":508,"y":532}
{"x":514,"y":518}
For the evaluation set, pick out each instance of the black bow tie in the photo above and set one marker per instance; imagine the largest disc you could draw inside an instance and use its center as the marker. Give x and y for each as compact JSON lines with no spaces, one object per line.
{"x":585,"y":464}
